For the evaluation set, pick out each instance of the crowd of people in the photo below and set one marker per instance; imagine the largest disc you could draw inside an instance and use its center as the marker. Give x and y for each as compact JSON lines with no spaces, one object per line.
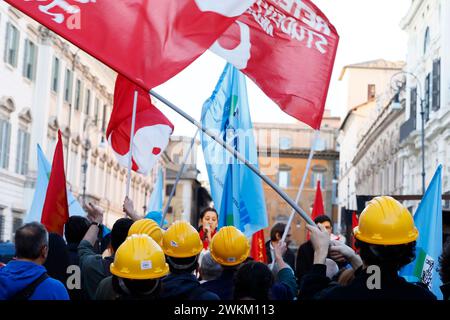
{"x":140,"y":261}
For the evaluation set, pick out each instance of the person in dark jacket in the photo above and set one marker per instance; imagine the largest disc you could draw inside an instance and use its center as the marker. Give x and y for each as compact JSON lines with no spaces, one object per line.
{"x":25,"y":278}
{"x":139,"y":264}
{"x":182,"y":246}
{"x":305,"y":253}
{"x":229,"y":248}
{"x":444,"y":270}
{"x":94,"y":268}
{"x":57,"y":260}
{"x":74,"y":231}
{"x":385,"y":238}
{"x":276,"y":233}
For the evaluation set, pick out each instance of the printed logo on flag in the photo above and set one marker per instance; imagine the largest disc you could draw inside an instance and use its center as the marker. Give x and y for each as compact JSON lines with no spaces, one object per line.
{"x":61,"y":10}
{"x":427,"y":271}
{"x":229,"y":8}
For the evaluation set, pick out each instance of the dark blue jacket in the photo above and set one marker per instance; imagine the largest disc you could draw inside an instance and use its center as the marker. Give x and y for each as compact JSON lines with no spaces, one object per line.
{"x":222,"y":286}
{"x":17,"y":275}
{"x":184,"y":286}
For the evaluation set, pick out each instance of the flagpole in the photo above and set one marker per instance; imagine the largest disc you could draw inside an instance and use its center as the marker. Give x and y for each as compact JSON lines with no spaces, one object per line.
{"x":302,"y":184}
{"x":133,"y":122}
{"x":237,"y":155}
{"x":177,"y":180}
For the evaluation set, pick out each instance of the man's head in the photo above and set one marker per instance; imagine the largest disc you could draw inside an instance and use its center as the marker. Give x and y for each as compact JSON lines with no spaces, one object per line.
{"x":386,"y":234}
{"x":276,"y":233}
{"x":75,"y":229}
{"x":209,"y":269}
{"x":229,"y":247}
{"x":31,"y":241}
{"x":119,"y":232}
{"x":324,"y":221}
{"x":139,"y":264}
{"x":182,"y":245}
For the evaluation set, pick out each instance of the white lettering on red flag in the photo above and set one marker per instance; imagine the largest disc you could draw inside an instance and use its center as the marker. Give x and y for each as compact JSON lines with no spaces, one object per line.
{"x":288,"y":48}
{"x":148,"y":41}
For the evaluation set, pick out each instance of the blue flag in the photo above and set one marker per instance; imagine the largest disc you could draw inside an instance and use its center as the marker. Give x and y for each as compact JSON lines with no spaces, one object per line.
{"x":44,"y":169}
{"x":237,"y":192}
{"x":155,"y":204}
{"x":428,"y":220}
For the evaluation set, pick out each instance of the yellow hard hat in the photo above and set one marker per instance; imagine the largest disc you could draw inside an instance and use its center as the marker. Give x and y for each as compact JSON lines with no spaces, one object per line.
{"x":181,"y":240}
{"x":148,"y":227}
{"x":139,"y":257}
{"x":385,"y":221}
{"x":229,"y":246}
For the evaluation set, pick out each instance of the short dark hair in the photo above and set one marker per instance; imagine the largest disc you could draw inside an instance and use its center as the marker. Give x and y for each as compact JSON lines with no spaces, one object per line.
{"x":253,"y":280}
{"x":119,"y":232}
{"x":182,"y":265}
{"x":75,"y":229}
{"x":277,"y":228}
{"x":208,"y":209}
{"x":321,"y":219}
{"x":444,"y":263}
{"x":389,"y":257}
{"x":29,"y":240}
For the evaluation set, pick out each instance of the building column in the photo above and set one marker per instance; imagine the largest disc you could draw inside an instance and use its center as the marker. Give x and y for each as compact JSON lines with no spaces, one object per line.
{"x":187,"y":201}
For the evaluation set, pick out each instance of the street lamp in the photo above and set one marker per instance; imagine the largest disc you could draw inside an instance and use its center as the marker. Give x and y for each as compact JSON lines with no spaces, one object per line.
{"x":84,"y":166}
{"x":422,"y":114}
{"x":86,"y":147}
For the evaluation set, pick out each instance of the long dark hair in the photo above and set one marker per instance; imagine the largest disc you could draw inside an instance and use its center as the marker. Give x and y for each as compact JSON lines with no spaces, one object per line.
{"x":202,"y":215}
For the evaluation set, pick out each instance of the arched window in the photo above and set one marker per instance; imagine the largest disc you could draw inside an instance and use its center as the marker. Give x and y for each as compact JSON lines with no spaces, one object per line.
{"x":426,"y":41}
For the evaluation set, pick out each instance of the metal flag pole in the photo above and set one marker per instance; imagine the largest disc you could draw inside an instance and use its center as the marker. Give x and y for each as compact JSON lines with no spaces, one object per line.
{"x":177,"y":180}
{"x":237,"y":155}
{"x":302,"y":184}
{"x":133,"y":121}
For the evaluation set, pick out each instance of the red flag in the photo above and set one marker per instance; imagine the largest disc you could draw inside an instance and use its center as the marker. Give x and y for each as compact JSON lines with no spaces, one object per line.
{"x":55,"y":212}
{"x":288,"y":49}
{"x":152,"y":129}
{"x":318,"y":209}
{"x":258,"y":250}
{"x":148,"y":41}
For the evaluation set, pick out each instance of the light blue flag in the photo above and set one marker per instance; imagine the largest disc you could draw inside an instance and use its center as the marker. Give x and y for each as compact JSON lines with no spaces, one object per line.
{"x":237,"y":192}
{"x":428,"y":220}
{"x":43,"y":175}
{"x":155,"y":204}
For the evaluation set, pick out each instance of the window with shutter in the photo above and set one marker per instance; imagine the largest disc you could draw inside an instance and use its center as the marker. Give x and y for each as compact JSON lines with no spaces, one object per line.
{"x":55,"y":74}
{"x":29,"y":60}
{"x":5,"y":137}
{"x":436,"y":91}
{"x":413,"y":103}
{"x":11,"y":45}
{"x":88,"y":102}
{"x":426,"y":107}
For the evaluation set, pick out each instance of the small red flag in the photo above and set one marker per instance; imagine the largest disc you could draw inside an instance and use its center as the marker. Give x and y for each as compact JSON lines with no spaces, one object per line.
{"x":258,"y":250}
{"x":318,"y":203}
{"x":151,"y":133}
{"x":56,"y":211}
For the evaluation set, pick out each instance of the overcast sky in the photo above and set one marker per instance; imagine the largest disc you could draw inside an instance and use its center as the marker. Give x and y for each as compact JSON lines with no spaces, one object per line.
{"x":368,"y":30}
